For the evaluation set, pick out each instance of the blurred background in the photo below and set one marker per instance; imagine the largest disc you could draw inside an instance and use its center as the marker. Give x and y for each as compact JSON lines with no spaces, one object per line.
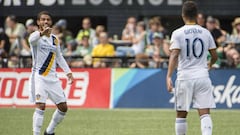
{"x":139,"y":28}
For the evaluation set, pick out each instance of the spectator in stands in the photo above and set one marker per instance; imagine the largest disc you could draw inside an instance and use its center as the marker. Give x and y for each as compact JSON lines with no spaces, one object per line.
{"x":82,"y":50}
{"x":66,"y":35}
{"x":138,"y":42}
{"x":216,"y":33}
{"x":159,"y":51}
{"x":4,"y":44}
{"x":236,"y":29}
{"x":236,"y":59}
{"x":157,"y":44}
{"x":99,"y":29}
{"x":232,"y":49}
{"x":201,"y":19}
{"x":139,"y":38}
{"x":104,"y":49}
{"x":57,"y":30}
{"x":218,"y":26}
{"x":219,"y":38}
{"x":129,"y":31}
{"x":86,"y":31}
{"x":71,"y":47}
{"x":15,"y":32}
{"x":161,"y":28}
{"x":141,"y":61}
{"x":4,"y":48}
{"x":153,"y":28}
{"x":30,"y":27}
{"x":68,"y":52}
{"x":25,"y":47}
{"x":233,"y":56}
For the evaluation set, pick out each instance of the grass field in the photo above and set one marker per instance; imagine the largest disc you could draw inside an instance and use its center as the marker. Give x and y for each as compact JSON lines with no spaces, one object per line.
{"x":117,"y":122}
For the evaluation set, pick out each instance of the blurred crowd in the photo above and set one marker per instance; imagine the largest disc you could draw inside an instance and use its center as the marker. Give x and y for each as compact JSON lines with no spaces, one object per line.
{"x":145,"y":42}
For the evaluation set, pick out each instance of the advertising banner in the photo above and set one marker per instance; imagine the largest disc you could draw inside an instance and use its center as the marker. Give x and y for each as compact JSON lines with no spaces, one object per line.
{"x":226,"y":84}
{"x":91,"y":88}
{"x":117,"y":88}
{"x":104,"y":7}
{"x":146,"y":88}
{"x":140,"y":88}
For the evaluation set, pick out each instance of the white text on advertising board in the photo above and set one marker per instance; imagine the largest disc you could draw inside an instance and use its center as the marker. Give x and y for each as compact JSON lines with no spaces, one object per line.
{"x":85,"y":2}
{"x":228,"y":93}
{"x":14,"y":88}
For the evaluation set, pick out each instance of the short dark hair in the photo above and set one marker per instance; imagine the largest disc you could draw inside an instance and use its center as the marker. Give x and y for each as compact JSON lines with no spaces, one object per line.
{"x":190,"y":9}
{"x":142,"y":24}
{"x":12,"y":18}
{"x":43,"y":13}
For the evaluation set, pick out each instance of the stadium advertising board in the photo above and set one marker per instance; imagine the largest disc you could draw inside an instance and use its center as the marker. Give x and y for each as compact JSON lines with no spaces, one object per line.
{"x":226,"y":88}
{"x":87,"y":2}
{"x":102,"y":7}
{"x":90,"y":89}
{"x":127,"y":88}
{"x":139,"y":88}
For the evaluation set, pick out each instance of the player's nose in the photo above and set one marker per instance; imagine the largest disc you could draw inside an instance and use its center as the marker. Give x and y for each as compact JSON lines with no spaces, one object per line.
{"x":46,"y":23}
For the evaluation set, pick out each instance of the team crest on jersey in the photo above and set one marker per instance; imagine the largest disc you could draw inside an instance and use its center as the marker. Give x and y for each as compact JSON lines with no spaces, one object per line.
{"x":38,"y":97}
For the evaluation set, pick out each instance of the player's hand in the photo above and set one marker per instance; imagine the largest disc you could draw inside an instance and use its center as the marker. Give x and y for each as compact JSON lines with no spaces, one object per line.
{"x":46,"y":31}
{"x":70,"y":78}
{"x":169,"y":84}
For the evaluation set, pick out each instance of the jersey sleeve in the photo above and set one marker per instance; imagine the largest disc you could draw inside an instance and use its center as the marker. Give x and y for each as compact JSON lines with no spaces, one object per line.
{"x":61,"y":61}
{"x":212,"y":44}
{"x":34,"y":37}
{"x":174,"y":42}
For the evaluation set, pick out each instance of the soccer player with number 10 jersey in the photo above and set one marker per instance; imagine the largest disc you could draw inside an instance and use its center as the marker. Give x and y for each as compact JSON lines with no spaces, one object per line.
{"x":190,"y":46}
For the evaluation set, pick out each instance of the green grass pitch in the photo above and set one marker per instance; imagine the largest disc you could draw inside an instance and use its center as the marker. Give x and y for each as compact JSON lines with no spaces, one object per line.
{"x":117,"y":122}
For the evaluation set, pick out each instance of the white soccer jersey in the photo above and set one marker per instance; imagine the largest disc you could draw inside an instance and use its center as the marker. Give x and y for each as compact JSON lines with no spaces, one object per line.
{"x":46,"y":54}
{"x":194,"y":43}
{"x":44,"y":82}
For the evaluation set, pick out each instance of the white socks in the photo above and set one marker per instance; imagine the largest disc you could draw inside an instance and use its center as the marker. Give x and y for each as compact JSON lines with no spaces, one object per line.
{"x":57,"y":117}
{"x":181,"y":126}
{"x":37,"y":121}
{"x":206,"y":124}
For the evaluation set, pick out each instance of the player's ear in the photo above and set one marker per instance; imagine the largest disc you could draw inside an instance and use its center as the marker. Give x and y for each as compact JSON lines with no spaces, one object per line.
{"x":38,"y":22}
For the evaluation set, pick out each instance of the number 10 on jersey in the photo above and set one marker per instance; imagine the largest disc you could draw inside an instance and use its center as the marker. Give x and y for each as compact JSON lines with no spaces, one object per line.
{"x":192,"y":48}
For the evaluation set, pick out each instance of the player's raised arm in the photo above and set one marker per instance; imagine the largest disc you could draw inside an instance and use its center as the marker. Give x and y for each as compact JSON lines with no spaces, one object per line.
{"x":34,"y":37}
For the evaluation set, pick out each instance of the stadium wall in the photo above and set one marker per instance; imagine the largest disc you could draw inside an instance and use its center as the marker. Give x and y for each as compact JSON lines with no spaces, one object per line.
{"x":117,"y":88}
